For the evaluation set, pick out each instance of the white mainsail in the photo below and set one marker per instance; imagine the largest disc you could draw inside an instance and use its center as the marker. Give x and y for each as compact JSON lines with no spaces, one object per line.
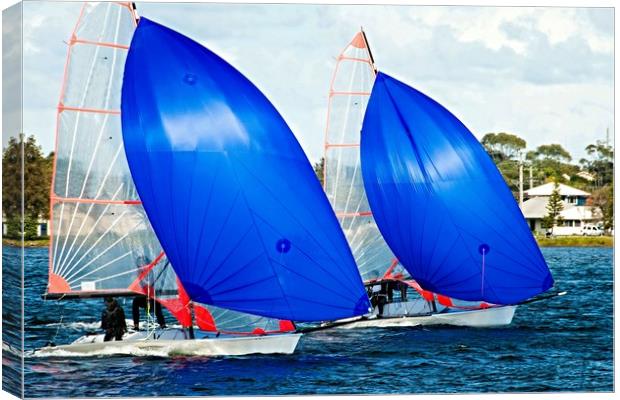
{"x":101,"y":240}
{"x":100,"y":235}
{"x":348,"y":96}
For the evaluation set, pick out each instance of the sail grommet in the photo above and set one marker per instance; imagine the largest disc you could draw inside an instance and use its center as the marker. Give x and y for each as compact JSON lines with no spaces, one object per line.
{"x":283,"y":245}
{"x":190,"y":79}
{"x":484,"y":249}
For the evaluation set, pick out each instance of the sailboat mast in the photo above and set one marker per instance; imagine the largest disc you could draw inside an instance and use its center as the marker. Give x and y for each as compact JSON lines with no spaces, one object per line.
{"x":372,"y":59}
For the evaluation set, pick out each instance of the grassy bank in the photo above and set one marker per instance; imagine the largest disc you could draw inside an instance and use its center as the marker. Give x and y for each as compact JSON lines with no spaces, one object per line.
{"x":558,"y":241}
{"x":575,"y":241}
{"x":27,"y":243}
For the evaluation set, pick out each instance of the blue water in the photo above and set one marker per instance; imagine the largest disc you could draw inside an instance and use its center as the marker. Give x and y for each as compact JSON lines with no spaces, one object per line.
{"x":565,"y":344}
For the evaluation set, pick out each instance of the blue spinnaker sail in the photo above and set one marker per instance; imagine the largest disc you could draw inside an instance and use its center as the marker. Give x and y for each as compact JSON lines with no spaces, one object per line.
{"x":441,"y":204}
{"x":229,"y":191}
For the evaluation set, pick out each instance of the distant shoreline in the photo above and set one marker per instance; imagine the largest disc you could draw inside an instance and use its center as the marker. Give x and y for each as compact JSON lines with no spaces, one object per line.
{"x":558,"y":241}
{"x":576,"y":241}
{"x":27,"y":243}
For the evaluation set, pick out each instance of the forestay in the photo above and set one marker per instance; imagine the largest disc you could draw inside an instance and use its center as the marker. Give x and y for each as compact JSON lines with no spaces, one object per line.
{"x":227,"y":188}
{"x":348,"y":96}
{"x":441,"y":204}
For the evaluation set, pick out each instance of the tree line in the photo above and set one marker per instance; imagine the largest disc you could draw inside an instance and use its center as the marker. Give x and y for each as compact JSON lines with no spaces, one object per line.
{"x":25,"y":171}
{"x":552,"y":163}
{"x":549,"y":163}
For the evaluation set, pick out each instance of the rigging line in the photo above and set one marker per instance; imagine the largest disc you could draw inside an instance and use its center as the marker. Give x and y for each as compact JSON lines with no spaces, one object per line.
{"x":101,"y":236}
{"x":114,"y":276}
{"x":66,"y":265}
{"x":108,"y":248}
{"x":73,"y":279}
{"x":105,"y":178}
{"x":62,"y":252}
{"x":94,"y":153}
{"x":75,"y":130}
{"x":62,"y":314}
{"x":103,"y":182}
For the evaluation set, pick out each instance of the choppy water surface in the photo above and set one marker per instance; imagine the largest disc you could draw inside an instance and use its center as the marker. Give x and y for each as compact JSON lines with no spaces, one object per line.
{"x":561,"y":345}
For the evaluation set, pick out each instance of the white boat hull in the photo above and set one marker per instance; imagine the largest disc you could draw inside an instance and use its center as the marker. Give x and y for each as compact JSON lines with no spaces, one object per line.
{"x":481,"y":318}
{"x":172,"y":342}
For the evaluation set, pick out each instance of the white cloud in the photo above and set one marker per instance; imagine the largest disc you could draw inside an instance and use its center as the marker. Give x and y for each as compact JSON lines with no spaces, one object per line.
{"x":543,"y":73}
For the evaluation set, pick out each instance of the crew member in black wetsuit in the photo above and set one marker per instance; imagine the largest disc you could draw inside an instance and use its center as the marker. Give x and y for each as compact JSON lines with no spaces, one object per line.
{"x":141,"y":302}
{"x":113,"y":320}
{"x":379,"y":296}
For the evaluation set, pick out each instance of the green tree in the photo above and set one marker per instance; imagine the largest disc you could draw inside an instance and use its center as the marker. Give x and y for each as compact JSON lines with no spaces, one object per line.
{"x":503,"y":146}
{"x":600,"y":163}
{"x":553,"y":152}
{"x":319,"y":168}
{"x":554,"y":208}
{"x":505,"y":150}
{"x":31,"y":224}
{"x":551,"y":162}
{"x":603,"y":198}
{"x":36,"y":171}
{"x":13,"y":227}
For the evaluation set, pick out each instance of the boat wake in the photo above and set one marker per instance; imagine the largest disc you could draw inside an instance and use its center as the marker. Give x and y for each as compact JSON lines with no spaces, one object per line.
{"x":96,"y":325}
{"x":128,"y":349}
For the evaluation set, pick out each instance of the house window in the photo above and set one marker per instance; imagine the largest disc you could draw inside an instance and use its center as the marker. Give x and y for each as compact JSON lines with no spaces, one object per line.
{"x":577,"y":223}
{"x":43,"y":229}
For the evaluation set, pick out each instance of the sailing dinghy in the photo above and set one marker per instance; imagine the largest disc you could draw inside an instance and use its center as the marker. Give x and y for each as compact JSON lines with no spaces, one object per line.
{"x":415,"y":247}
{"x":102,"y":238}
{"x":101,"y":242}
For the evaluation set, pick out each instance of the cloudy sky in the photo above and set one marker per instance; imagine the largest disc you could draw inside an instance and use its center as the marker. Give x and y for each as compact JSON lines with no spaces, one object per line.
{"x":545,"y":74}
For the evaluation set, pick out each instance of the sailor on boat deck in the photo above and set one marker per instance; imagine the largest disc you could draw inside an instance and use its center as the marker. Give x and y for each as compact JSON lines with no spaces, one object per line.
{"x":379,"y":296}
{"x":141,"y":302}
{"x":113,"y":320}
